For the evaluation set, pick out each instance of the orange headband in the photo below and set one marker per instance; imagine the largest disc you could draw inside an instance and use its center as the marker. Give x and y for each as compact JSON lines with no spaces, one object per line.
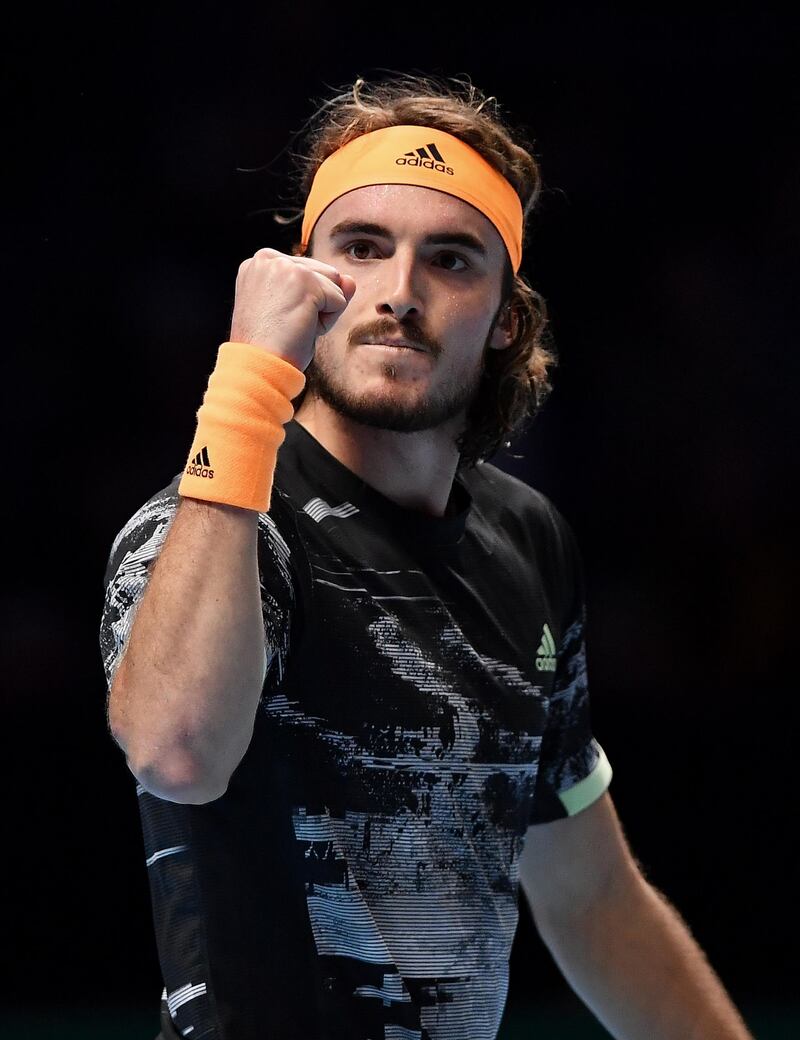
{"x":426,"y":157}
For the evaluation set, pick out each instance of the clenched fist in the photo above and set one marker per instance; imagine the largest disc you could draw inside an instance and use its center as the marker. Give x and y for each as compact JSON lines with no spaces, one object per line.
{"x":284,"y":302}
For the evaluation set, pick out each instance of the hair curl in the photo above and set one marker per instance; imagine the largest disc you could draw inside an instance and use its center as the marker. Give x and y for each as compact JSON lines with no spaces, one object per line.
{"x":515,"y":380}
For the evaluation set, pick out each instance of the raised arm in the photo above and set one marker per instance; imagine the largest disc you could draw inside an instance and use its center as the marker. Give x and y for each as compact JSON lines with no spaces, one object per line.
{"x":184,"y":693}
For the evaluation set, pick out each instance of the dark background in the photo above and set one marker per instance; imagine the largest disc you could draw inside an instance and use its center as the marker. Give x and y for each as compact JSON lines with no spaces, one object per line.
{"x":666,"y":248}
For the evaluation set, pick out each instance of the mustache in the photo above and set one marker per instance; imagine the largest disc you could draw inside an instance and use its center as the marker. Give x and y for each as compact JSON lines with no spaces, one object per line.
{"x":384,"y":328}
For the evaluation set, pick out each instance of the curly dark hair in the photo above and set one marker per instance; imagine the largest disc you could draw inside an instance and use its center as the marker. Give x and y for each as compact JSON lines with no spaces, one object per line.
{"x":515,"y":381}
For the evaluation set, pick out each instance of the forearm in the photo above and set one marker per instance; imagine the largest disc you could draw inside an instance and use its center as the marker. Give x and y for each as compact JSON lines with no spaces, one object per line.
{"x":633,"y":961}
{"x":183,"y":699}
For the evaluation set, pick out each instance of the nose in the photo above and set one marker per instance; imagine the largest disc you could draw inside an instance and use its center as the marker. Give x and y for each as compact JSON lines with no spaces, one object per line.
{"x":400,"y":291}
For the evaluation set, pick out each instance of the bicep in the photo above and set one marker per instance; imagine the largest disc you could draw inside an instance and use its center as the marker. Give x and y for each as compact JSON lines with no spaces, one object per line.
{"x":568,"y":863}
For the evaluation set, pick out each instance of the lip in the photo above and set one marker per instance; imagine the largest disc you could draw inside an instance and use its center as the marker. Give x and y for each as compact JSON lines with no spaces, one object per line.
{"x":394,"y":343}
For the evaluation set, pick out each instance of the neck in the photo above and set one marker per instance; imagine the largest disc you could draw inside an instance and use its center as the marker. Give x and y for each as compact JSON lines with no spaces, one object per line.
{"x":415,"y":470}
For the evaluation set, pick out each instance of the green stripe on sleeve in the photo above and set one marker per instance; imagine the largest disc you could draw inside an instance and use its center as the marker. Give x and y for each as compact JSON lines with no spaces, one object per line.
{"x":588,"y":790}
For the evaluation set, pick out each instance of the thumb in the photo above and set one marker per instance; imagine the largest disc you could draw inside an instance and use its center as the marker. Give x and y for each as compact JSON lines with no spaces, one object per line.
{"x":348,"y":286}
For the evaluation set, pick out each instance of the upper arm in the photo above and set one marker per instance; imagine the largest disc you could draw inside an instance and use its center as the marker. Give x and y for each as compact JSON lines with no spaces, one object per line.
{"x":574,"y":847}
{"x":572,"y":769}
{"x":134,"y":553}
{"x":568,"y":863}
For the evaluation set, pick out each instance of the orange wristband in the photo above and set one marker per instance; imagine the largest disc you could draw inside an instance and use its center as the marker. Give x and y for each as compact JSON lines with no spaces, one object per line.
{"x":240,"y":427}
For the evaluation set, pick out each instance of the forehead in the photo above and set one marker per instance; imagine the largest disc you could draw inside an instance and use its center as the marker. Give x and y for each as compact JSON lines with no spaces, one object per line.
{"x":411,"y":210}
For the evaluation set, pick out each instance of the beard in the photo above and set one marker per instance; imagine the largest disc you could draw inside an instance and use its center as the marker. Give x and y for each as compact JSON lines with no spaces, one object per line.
{"x":391,"y":408}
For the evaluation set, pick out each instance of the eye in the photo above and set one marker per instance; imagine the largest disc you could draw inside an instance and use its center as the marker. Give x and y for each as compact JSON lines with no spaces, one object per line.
{"x":361,"y":244}
{"x":455,"y":256}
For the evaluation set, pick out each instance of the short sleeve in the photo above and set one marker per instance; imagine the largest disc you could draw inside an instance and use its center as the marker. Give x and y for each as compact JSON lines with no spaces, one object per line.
{"x":573,"y":768}
{"x":130,"y":564}
{"x":133,"y":553}
{"x":284,"y":575}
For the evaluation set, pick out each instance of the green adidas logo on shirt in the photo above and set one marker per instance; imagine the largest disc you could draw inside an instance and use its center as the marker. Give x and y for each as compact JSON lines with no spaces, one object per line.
{"x":546,"y":654}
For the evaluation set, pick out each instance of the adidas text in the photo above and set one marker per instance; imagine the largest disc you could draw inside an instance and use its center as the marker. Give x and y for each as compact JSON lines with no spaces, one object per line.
{"x":427,"y":164}
{"x":199,"y":471}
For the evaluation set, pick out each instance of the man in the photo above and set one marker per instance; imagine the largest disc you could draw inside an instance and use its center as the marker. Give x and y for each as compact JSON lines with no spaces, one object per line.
{"x":345,"y":654}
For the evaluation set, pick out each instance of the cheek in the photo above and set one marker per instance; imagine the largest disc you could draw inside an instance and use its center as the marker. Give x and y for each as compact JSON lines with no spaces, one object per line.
{"x":462,"y":320}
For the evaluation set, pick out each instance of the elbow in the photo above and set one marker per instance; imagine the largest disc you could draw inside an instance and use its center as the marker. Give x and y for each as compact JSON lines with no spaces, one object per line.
{"x":174,"y":760}
{"x":176,"y":775}
{"x":170,"y":768}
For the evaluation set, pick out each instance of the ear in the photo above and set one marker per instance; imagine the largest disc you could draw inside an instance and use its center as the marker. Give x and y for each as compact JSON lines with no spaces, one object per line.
{"x":504,"y":330}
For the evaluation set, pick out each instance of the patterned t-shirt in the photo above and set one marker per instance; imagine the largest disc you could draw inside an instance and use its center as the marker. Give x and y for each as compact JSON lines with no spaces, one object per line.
{"x":426,"y":702}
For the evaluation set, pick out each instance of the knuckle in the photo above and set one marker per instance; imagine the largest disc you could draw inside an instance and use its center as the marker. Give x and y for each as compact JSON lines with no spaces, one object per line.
{"x":330,"y":269}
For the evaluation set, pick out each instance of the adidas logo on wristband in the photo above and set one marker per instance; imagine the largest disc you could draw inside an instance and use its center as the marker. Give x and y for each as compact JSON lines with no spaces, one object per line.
{"x":200,"y":465}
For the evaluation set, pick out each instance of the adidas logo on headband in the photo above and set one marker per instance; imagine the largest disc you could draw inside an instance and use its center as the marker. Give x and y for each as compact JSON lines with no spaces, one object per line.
{"x":428,"y":157}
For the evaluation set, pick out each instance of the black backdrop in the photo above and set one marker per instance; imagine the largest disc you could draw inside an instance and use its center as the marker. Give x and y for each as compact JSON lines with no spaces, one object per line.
{"x":666,"y":248}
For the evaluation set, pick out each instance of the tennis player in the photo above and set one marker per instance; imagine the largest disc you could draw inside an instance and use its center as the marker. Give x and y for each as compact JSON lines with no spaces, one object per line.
{"x":346,"y":653}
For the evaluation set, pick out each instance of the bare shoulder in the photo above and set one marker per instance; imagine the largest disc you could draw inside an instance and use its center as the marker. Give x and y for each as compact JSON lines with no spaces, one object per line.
{"x":566,"y":864}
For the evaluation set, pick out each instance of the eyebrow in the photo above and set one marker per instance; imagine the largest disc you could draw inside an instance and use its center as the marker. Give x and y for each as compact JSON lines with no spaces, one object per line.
{"x":446,"y":238}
